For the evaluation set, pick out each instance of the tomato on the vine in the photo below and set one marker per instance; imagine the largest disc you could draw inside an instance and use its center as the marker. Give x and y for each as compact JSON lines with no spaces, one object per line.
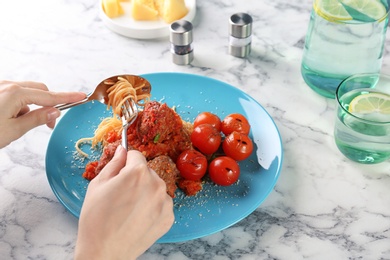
{"x":206,"y":138}
{"x":235,"y":122}
{"x":208,"y":118}
{"x":192,"y":165}
{"x":224,"y":171}
{"x":237,"y":146}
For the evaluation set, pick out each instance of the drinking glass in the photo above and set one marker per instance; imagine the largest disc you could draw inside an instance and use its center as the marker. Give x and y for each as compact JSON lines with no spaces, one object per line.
{"x":362,"y":127}
{"x":344,"y":37}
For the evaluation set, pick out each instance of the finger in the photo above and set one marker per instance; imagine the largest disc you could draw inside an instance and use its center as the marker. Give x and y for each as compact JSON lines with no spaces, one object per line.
{"x":23,"y":110}
{"x":26,"y":122}
{"x":25,"y":84}
{"x":166,"y":216}
{"x":51,"y":124}
{"x":48,"y":98}
{"x":163,"y":217}
{"x":32,"y":85}
{"x":114,"y":166}
{"x":135,"y":165}
{"x":135,"y":157}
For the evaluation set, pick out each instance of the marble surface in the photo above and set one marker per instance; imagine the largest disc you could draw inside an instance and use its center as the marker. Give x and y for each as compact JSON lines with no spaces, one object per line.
{"x":323,"y":205}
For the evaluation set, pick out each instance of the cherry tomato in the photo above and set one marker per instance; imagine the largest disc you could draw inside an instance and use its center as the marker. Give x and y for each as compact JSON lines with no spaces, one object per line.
{"x":208,"y":118}
{"x":235,"y":122}
{"x":192,"y":165}
{"x":206,"y":138}
{"x":224,"y":171}
{"x":238,"y":146}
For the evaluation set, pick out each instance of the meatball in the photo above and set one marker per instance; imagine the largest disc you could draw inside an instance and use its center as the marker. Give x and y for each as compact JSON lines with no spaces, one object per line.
{"x":166,"y":170}
{"x":158,"y":123}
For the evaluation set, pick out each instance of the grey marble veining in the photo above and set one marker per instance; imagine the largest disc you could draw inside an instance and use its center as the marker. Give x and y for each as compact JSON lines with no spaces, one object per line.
{"x":323,"y":205}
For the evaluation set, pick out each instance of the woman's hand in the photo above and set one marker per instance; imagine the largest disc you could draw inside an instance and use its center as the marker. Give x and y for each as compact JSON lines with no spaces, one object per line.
{"x":126,"y":209}
{"x":16,"y":118}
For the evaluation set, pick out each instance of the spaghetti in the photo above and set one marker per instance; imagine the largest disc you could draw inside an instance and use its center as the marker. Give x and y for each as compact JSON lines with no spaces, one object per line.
{"x":121,"y":90}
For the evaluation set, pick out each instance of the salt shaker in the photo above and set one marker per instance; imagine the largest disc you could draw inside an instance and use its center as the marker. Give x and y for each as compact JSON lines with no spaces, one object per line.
{"x":240,"y":35}
{"x":181,"y":42}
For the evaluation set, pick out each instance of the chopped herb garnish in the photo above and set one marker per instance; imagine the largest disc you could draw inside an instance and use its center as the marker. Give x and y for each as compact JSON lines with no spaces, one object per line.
{"x":156,"y":138}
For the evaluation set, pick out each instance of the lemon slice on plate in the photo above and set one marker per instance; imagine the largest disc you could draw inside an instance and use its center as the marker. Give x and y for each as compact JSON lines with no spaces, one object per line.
{"x":370,"y":103}
{"x":331,"y":10}
{"x":371,"y":8}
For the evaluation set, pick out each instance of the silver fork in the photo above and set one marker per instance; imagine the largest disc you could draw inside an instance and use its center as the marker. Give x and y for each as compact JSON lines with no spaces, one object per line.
{"x":129,"y":114}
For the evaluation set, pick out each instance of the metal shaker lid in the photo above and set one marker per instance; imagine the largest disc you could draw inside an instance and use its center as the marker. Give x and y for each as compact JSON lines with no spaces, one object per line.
{"x":181,"y":33}
{"x":240,"y":25}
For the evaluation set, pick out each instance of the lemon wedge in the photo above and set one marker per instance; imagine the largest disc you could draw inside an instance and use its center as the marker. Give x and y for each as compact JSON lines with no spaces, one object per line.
{"x":370,"y":103}
{"x":331,"y":10}
{"x":371,"y":8}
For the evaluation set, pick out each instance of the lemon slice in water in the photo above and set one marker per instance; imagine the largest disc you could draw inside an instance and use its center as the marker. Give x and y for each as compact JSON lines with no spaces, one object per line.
{"x":371,"y":8}
{"x":370,"y":103}
{"x":331,"y":10}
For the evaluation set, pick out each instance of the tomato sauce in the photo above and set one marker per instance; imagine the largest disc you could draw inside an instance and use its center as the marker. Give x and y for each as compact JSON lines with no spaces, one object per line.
{"x":112,"y":137}
{"x":157,"y":131}
{"x":189,"y":187}
{"x":90,"y":170}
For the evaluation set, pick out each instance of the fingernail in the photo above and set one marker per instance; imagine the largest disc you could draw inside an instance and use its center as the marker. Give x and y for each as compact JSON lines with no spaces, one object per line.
{"x":118,"y":149}
{"x":53,"y":114}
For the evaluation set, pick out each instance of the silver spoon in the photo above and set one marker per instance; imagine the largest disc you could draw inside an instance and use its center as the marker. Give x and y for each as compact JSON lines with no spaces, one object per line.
{"x":100,"y":94}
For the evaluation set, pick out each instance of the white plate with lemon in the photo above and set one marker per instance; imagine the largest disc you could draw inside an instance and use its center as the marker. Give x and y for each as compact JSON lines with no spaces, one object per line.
{"x":145,"y":19}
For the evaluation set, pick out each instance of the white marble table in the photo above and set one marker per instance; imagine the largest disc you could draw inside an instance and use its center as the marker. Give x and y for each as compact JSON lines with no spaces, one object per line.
{"x":323,"y":205}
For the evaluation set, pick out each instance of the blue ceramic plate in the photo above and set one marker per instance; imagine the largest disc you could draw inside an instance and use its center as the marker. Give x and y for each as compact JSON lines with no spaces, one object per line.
{"x":214,"y":208}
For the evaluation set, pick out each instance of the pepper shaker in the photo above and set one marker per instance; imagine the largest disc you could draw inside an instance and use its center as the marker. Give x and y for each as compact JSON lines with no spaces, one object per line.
{"x":240,"y":35}
{"x":181,"y":42}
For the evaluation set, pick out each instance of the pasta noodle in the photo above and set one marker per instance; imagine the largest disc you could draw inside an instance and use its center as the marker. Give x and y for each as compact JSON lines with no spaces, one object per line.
{"x":108,"y":124}
{"x":125,"y":88}
{"x":78,"y":144}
